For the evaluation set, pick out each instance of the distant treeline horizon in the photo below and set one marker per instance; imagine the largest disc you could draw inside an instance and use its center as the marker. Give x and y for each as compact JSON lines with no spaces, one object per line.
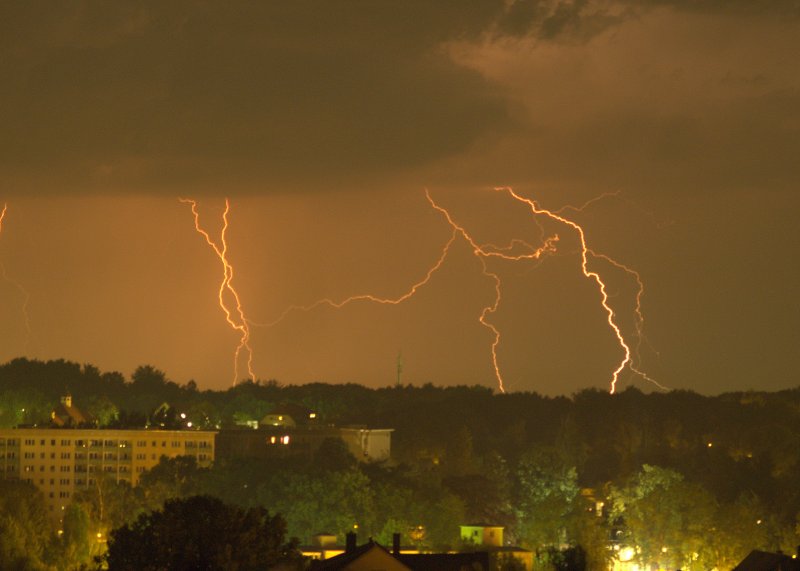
{"x":80,"y":373}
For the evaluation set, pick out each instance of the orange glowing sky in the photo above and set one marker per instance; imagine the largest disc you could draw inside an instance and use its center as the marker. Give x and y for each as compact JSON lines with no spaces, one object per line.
{"x":323,"y":126}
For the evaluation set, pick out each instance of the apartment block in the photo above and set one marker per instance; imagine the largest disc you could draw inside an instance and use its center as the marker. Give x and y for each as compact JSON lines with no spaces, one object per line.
{"x":62,"y":461}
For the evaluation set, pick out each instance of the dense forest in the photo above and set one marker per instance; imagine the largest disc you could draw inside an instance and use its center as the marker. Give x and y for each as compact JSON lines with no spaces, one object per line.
{"x":678,"y":479}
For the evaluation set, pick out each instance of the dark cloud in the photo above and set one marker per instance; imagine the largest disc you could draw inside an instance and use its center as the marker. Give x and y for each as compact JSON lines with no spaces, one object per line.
{"x":103,"y":93}
{"x":102,"y":96}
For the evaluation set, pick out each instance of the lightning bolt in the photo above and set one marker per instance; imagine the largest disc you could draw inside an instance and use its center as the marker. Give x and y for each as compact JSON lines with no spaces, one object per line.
{"x":481,"y":251}
{"x":366,"y":296}
{"x":593,"y":275}
{"x":26,"y":296}
{"x":492,"y":251}
{"x":636,"y":352}
{"x":634,"y":364}
{"x":588,"y":203}
{"x":235,"y":317}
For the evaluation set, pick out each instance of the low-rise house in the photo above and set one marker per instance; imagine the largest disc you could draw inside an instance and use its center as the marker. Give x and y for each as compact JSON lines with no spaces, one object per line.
{"x":489,"y":538}
{"x":374,"y":557}
{"x":765,"y":561}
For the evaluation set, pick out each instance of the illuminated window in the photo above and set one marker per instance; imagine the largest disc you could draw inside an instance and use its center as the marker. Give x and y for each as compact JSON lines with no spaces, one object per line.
{"x":285,"y":439}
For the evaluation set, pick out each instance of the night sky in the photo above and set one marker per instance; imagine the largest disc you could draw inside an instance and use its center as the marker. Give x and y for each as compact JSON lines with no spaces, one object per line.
{"x":324,"y":123}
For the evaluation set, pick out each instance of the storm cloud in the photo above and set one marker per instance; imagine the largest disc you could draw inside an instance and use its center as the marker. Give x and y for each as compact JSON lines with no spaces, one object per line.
{"x":154,"y":96}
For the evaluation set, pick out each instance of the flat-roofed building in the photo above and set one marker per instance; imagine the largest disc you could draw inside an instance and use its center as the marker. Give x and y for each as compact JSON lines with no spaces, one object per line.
{"x":62,"y":461}
{"x":269,"y":442}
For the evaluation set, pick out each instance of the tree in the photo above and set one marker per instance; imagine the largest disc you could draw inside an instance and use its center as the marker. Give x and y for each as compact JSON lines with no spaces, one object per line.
{"x":333,"y":455}
{"x":75,"y":544}
{"x":24,"y":526}
{"x":546,"y":498}
{"x":458,"y":452}
{"x":200,"y":533}
{"x":667,"y":519}
{"x":171,"y":478}
{"x":102,"y":409}
{"x":333,"y":502}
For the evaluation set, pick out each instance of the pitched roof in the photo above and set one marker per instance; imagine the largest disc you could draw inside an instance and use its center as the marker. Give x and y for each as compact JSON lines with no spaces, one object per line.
{"x":765,"y":561}
{"x":377,"y":556}
{"x":373,"y":556}
{"x":63,"y":415}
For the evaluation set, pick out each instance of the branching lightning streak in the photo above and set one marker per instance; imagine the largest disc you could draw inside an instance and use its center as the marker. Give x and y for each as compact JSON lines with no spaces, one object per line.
{"x":365,"y":296}
{"x":25,"y":294}
{"x":238,"y":322}
{"x":482,"y":253}
{"x":634,"y":364}
{"x":585,"y":253}
{"x":636,"y":352}
{"x":588,"y":203}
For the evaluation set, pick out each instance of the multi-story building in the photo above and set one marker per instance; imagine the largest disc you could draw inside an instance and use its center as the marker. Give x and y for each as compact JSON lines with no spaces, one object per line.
{"x":365,"y":444}
{"x":62,"y":461}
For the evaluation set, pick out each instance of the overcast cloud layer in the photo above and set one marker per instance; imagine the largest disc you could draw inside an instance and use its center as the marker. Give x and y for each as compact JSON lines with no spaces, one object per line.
{"x":145,"y":96}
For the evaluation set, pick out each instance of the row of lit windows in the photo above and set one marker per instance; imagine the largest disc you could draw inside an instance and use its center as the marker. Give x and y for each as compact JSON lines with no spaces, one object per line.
{"x":104,"y":468}
{"x":43,"y":442}
{"x":42,"y":455}
{"x":42,"y":468}
{"x":107,"y":443}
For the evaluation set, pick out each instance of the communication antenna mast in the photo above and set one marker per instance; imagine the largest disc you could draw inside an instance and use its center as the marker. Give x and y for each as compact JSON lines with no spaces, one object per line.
{"x":399,"y":366}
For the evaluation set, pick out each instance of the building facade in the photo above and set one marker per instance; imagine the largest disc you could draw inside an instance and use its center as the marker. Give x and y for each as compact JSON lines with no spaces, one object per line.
{"x":274,"y":442}
{"x":62,"y":461}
